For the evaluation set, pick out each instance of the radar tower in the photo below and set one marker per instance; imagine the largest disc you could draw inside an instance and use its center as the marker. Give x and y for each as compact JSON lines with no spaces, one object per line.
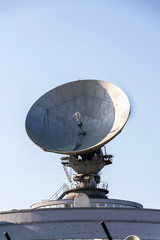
{"x":77,"y":119}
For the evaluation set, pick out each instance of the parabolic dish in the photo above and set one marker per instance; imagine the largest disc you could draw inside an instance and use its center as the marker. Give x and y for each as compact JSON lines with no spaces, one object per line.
{"x":132,"y":237}
{"x":78,"y":117}
{"x":81,"y":200}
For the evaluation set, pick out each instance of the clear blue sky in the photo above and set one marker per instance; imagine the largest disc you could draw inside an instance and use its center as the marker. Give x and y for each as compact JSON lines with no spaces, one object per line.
{"x":44,"y":44}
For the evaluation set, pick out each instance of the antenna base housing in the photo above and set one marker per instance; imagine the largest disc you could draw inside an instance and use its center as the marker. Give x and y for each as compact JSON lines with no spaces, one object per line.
{"x":90,"y":192}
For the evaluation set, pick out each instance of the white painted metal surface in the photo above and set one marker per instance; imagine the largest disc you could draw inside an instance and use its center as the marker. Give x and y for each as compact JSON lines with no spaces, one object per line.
{"x":103,"y":109}
{"x":80,"y":223}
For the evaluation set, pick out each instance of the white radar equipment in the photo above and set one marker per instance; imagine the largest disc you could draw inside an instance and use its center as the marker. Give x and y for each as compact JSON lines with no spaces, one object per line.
{"x":132,"y":237}
{"x":77,"y":119}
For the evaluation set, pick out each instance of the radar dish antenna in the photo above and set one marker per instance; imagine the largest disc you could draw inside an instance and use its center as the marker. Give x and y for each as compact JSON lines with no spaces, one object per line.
{"x":78,"y":117}
{"x":81,"y":200}
{"x":132,"y":237}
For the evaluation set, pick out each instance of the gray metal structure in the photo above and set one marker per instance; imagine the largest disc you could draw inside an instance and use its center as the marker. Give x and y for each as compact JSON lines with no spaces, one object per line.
{"x":80,"y":223}
{"x":78,"y":119}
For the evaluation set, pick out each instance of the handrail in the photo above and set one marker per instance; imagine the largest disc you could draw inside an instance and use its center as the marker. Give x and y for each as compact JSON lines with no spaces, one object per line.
{"x":60,"y":191}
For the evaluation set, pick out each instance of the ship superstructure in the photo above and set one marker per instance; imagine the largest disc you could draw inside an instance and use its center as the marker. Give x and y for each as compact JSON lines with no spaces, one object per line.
{"x":77,"y":119}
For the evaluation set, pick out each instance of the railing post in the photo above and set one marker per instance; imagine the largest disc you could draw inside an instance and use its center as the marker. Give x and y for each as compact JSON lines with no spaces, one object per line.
{"x":7,"y":235}
{"x":106,"y":230}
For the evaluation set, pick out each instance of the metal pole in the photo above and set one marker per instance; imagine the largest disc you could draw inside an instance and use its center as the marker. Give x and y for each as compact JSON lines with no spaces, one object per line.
{"x":7,"y":235}
{"x":106,"y":230}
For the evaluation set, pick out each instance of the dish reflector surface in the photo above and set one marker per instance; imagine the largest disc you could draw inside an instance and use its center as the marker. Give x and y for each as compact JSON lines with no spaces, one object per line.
{"x":81,"y":200}
{"x":78,"y":117}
